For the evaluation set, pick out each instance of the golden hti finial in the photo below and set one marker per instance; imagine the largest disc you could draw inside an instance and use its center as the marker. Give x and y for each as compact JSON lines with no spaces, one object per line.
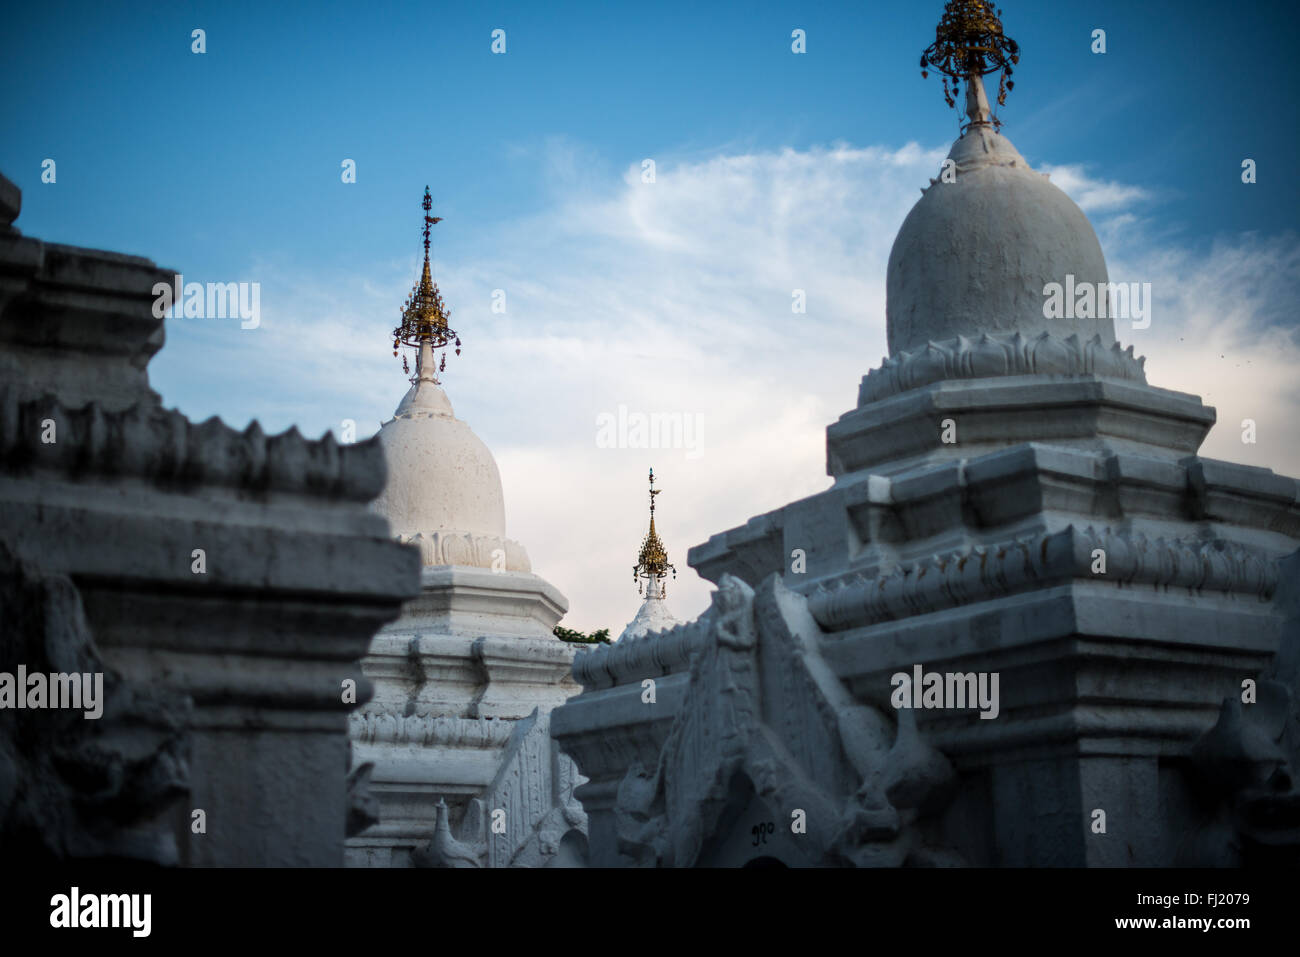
{"x":424,"y":315}
{"x":652,"y":562}
{"x":968,"y":45}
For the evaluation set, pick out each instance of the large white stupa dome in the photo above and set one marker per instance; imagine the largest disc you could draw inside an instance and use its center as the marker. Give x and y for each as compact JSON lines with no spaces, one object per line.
{"x":975,"y":254}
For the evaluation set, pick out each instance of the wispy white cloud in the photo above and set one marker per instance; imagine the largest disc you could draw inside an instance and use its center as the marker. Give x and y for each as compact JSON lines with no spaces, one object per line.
{"x":1223,"y":327}
{"x":1094,"y":195}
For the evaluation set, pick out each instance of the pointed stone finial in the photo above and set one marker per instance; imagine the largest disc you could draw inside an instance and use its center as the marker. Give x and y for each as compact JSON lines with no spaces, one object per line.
{"x":424,"y":364}
{"x":977,"y":103}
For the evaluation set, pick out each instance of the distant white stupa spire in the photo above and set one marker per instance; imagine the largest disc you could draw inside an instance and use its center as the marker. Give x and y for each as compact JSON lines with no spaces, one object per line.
{"x":653,"y":566}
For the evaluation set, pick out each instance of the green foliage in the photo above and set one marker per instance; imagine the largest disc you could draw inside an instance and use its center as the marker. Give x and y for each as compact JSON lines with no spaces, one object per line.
{"x":600,"y":637}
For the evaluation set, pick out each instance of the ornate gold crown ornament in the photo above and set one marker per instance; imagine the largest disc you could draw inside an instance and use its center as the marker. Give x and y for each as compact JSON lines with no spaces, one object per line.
{"x":424,"y":314}
{"x":968,"y":44}
{"x":652,"y":562}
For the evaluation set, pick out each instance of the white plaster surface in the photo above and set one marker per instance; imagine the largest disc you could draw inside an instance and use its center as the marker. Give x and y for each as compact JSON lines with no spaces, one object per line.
{"x":974,"y":255}
{"x":653,"y":615}
{"x":441,"y":477}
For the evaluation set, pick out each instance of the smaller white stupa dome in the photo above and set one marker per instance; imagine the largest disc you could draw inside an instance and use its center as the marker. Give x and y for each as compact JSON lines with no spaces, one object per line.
{"x":443,"y":491}
{"x":976,"y":254}
{"x":441,"y":477}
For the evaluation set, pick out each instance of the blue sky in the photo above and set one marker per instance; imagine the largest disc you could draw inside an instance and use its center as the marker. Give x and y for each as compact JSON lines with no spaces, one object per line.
{"x":775,"y":170}
{"x":171,"y":154}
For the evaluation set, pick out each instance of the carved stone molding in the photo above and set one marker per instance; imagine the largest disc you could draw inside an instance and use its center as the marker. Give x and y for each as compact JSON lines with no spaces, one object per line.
{"x":990,"y":571}
{"x":999,"y":355}
{"x":145,"y":441}
{"x":430,"y":730}
{"x":658,"y":653}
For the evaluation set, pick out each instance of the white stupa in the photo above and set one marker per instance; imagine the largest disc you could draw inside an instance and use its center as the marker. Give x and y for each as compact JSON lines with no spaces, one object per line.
{"x":652,"y":565}
{"x":464,"y":681}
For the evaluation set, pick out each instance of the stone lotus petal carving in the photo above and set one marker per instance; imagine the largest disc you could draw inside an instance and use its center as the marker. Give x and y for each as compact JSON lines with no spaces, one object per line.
{"x":145,"y":441}
{"x":465,"y":548}
{"x":982,"y":572}
{"x":999,"y":355}
{"x":101,"y":788}
{"x":516,"y":557}
{"x":457,"y":550}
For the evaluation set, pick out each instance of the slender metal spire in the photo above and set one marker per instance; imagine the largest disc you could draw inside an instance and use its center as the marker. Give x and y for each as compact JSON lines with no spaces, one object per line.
{"x":652,"y":561}
{"x":424,"y":315}
{"x":968,"y":45}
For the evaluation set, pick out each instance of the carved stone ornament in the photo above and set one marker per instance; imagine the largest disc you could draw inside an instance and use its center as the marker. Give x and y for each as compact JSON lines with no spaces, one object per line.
{"x":73,"y":786}
{"x":765,"y":718}
{"x":999,"y":355}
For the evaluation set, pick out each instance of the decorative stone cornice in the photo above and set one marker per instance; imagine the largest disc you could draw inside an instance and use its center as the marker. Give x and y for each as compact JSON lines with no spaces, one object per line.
{"x":464,"y":600}
{"x":963,"y":577}
{"x":990,"y":571}
{"x":147,"y":442}
{"x":429,"y":730}
{"x":999,"y":355}
{"x":651,"y":655}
